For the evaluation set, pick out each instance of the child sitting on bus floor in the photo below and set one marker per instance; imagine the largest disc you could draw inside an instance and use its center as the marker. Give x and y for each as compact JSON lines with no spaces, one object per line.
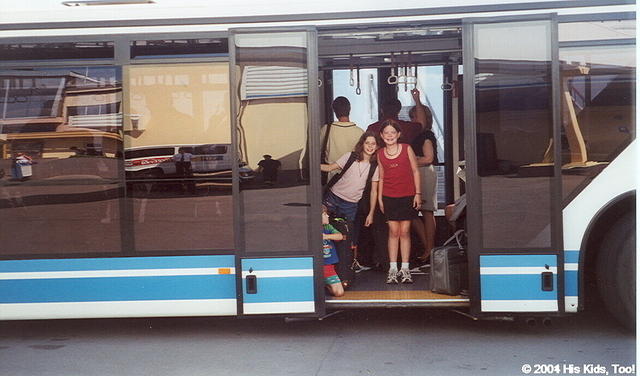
{"x":330,"y":255}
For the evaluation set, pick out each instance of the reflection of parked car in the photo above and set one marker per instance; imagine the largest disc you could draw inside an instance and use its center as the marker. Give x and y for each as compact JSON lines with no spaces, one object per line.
{"x":209,"y":161}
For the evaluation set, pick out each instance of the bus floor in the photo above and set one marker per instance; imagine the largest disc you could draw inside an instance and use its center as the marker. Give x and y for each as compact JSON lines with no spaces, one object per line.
{"x":370,"y":290}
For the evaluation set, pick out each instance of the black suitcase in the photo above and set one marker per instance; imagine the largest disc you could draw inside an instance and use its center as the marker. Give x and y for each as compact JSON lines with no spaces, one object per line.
{"x":449,"y":267}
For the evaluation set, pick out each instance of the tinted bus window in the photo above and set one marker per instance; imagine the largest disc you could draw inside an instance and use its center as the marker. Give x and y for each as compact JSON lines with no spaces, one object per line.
{"x":598,"y":104}
{"x":56,"y":51}
{"x":179,"y":48}
{"x":179,"y":203}
{"x":62,"y":172}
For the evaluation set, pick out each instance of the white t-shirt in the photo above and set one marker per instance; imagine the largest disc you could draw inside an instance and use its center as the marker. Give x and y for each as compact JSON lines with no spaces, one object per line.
{"x":352,"y":183}
{"x":343,"y":136}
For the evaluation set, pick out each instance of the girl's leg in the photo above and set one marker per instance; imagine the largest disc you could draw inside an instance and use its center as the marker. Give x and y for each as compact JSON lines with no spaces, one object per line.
{"x":404,"y":229}
{"x":405,"y":251}
{"x":336,"y":289}
{"x":392,"y":243}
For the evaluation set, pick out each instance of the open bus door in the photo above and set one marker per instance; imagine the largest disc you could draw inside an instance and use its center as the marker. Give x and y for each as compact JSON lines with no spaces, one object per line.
{"x":275,"y":123}
{"x":513,"y":164}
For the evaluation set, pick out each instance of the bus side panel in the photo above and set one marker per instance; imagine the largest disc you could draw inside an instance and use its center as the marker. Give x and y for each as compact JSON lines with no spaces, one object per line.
{"x":118,"y":287}
{"x":277,"y":285}
{"x":571,"y":260}
{"x":514,"y":283}
{"x":615,"y":180}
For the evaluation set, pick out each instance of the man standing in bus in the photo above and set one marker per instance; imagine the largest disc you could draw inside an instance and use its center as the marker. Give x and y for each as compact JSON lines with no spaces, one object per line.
{"x":391,"y":109}
{"x":339,"y":137}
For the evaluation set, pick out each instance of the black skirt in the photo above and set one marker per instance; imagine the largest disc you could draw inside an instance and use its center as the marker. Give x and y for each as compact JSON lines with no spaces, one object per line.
{"x":399,"y":208}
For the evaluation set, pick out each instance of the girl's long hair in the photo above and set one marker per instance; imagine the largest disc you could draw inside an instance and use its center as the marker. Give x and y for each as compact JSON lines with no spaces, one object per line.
{"x":359,"y":148}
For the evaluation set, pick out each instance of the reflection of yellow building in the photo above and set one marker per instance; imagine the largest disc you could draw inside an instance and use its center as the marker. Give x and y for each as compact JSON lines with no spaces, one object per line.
{"x":76,"y":113}
{"x":175,"y":104}
{"x":277,"y":129}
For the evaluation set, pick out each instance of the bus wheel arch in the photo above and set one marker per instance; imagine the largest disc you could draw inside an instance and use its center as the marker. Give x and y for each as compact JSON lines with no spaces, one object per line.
{"x":608,"y":273}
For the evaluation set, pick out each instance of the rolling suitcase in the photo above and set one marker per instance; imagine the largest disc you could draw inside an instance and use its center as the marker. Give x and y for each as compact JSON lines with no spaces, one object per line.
{"x":449,"y":266}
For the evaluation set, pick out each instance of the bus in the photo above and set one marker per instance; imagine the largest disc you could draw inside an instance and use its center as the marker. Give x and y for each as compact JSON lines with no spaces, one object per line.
{"x":535,"y":99}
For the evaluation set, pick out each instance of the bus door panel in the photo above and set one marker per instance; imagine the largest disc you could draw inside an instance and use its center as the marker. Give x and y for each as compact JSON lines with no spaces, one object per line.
{"x":274,"y":80}
{"x":518,"y":283}
{"x":277,"y":285}
{"x":511,"y":119}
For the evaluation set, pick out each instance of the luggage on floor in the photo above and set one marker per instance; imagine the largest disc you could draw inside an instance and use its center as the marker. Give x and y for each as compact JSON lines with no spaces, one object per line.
{"x":449,"y":268}
{"x":345,"y":254}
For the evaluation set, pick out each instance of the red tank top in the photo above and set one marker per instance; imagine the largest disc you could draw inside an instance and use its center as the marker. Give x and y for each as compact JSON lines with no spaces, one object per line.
{"x":398,"y":176}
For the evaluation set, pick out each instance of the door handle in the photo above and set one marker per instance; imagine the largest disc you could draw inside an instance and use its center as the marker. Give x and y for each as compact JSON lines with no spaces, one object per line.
{"x":547,"y":281}
{"x":252,"y":284}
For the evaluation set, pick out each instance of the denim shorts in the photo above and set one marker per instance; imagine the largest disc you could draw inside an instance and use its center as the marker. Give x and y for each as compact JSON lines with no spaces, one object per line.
{"x":340,"y":207}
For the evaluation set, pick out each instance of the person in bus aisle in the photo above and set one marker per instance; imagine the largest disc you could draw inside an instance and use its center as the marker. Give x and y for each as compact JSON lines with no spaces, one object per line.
{"x":269,"y":168}
{"x":342,"y":134}
{"x":425,"y":147}
{"x":390,"y":110}
{"x":343,"y":196}
{"x":398,"y":197}
{"x":182,"y":162}
{"x":330,"y":255}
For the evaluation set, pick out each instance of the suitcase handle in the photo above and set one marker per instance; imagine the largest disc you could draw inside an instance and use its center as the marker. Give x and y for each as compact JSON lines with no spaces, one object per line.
{"x":455,"y":236}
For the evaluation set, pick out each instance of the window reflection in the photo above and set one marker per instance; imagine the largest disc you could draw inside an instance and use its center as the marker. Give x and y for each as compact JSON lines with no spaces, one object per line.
{"x":60,"y":162}
{"x":272,"y":125}
{"x":178,"y":156}
{"x":598,"y":110}
{"x":514,"y":120}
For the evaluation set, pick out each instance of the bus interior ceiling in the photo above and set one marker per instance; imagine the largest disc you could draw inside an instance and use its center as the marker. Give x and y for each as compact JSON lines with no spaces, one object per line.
{"x":373,"y":47}
{"x":388,"y":50}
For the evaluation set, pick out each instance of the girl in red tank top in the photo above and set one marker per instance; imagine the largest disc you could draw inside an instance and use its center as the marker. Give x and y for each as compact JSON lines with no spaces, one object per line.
{"x":398,"y":197}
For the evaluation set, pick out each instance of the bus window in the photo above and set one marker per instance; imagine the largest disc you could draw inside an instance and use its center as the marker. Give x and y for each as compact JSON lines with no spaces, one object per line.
{"x":178,"y":107}
{"x":72,"y":182}
{"x":364,"y":107}
{"x":598,"y":104}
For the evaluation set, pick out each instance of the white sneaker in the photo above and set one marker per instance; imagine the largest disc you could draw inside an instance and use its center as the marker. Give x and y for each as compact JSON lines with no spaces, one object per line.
{"x":357,"y":267}
{"x":405,"y":276}
{"x":392,"y":277}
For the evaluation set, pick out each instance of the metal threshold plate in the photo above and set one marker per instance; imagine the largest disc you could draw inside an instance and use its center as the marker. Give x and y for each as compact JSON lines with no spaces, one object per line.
{"x":402,"y":298}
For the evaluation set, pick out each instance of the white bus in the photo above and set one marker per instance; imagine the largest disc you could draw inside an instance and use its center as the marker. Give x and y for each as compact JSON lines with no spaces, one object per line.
{"x":538,"y":98}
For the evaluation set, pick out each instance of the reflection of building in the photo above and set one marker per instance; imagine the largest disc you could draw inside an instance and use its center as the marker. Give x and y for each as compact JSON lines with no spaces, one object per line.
{"x":54,"y":113}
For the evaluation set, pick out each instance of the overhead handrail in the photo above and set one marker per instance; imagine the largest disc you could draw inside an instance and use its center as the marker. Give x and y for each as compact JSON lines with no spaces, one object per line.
{"x":392,"y":79}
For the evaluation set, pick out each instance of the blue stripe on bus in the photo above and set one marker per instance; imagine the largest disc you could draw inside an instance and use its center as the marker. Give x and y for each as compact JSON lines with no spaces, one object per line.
{"x":571,"y":283}
{"x":280,"y":263}
{"x":285,"y":289}
{"x":118,"y":289}
{"x":515,"y":287}
{"x":572,"y":257}
{"x":120,"y":263}
{"x":517,"y":260}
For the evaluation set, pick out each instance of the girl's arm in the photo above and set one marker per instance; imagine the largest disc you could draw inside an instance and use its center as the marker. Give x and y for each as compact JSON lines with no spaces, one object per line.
{"x":329,"y":167}
{"x":380,"y":185}
{"x":373,"y":197}
{"x":417,"y":199}
{"x":427,"y":151}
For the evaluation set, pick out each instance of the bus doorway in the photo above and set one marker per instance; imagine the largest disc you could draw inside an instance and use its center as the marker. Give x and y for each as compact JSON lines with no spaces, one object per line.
{"x":368,"y":67}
